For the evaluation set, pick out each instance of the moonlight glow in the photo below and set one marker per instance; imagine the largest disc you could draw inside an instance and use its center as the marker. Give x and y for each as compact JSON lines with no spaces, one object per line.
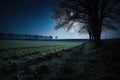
{"x":33,"y":17}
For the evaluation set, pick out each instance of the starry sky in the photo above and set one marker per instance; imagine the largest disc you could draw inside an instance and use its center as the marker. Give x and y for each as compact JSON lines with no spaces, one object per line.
{"x":33,"y":17}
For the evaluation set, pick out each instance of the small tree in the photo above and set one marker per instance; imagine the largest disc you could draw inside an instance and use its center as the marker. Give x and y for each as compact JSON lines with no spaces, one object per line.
{"x":56,"y":37}
{"x":50,"y":37}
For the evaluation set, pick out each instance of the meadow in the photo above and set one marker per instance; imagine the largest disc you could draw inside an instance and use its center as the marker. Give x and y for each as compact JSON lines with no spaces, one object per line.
{"x":59,"y":60}
{"x":14,"y":51}
{"x":17,"y":56}
{"x":17,"y":52}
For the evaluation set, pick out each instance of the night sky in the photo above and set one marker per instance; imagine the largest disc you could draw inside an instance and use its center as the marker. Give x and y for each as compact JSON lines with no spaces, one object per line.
{"x":33,"y":17}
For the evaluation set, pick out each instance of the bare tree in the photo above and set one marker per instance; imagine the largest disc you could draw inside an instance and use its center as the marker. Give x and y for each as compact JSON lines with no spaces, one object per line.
{"x":94,"y":15}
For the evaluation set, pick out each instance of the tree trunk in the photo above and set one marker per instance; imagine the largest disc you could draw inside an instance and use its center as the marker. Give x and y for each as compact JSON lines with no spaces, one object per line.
{"x":90,"y":37}
{"x":97,"y":38}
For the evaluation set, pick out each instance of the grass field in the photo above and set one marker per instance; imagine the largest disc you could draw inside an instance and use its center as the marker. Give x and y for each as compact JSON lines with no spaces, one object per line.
{"x":28,"y":43}
{"x":59,"y":60}
{"x":20,"y":55}
{"x":13,"y":51}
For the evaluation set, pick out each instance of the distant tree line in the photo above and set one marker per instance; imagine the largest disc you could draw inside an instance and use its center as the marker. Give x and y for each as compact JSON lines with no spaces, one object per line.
{"x":23,"y":36}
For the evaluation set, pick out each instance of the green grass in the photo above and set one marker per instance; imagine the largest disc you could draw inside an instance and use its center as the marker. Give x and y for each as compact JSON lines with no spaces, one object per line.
{"x":27,"y":43}
{"x":51,"y":62}
{"x":69,"y":60}
{"x":21,"y":59}
{"x":14,"y":51}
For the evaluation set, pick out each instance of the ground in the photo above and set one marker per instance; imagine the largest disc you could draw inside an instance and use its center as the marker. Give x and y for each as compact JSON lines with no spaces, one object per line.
{"x":82,"y":62}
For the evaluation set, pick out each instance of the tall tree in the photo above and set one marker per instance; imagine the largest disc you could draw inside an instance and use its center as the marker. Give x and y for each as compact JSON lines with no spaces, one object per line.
{"x":94,"y":15}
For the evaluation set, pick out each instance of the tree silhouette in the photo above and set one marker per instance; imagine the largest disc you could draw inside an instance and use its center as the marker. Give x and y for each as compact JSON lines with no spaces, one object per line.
{"x":56,"y":37}
{"x":50,"y":37}
{"x":94,"y":15}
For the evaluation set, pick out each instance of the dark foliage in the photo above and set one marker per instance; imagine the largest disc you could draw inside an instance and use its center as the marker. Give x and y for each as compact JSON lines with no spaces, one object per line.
{"x":24,"y":36}
{"x":90,"y":16}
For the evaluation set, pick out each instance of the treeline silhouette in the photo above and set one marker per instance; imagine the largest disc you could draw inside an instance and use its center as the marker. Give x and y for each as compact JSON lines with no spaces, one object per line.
{"x":24,"y":36}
